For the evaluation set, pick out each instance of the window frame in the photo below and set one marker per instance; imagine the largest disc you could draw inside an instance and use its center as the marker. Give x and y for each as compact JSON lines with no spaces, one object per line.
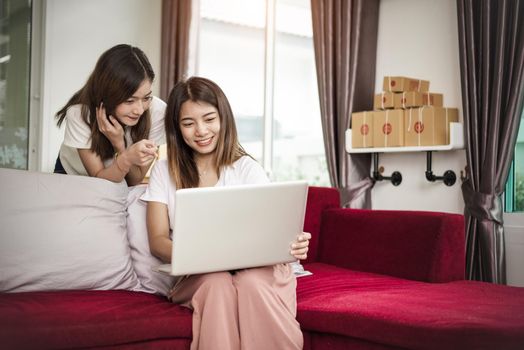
{"x":509,"y":192}
{"x":267,"y":102}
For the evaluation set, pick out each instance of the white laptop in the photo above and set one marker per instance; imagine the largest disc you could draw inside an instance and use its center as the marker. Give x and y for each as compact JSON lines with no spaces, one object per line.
{"x":235,"y":227}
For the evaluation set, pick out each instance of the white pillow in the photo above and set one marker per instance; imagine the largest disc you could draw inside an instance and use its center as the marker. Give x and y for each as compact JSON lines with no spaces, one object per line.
{"x":63,"y":232}
{"x":143,"y":261}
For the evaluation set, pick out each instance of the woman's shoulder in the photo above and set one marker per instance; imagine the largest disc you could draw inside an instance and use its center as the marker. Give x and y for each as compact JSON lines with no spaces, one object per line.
{"x":157,"y":111}
{"x":159,"y":170}
{"x":246,"y":161}
{"x":158,"y":107}
{"x":249,"y":171}
{"x":74,"y":111}
{"x":162,"y":165}
{"x":74,"y":116}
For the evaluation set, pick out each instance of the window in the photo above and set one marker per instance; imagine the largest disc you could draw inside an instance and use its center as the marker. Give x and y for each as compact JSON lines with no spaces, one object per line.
{"x":15,"y":20}
{"x":266,"y":67}
{"x":514,"y":195}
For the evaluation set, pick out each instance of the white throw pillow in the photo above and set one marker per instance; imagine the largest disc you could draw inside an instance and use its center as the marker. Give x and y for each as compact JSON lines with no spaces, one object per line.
{"x":63,"y":232}
{"x":143,"y":261}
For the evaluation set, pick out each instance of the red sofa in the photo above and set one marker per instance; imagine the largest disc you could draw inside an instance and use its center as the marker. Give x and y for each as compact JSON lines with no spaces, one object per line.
{"x":381,"y":280}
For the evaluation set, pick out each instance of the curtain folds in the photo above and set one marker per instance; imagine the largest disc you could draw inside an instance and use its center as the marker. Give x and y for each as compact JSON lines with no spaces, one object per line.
{"x":491,"y":48}
{"x":176,"y":21}
{"x":345,"y":42}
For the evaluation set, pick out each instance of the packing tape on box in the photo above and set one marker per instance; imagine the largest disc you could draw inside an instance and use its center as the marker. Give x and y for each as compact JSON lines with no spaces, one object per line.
{"x":421,"y":127}
{"x":387,"y":122}
{"x":364,"y":138}
{"x":389,"y":83}
{"x":419,"y":83}
{"x":448,"y":136}
{"x":419,"y":120}
{"x":433,"y":141}
{"x":410,"y":119}
{"x":382,"y":100}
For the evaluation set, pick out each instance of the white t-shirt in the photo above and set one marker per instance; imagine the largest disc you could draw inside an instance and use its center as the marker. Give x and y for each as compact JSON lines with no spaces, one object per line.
{"x":78,"y":136}
{"x":161,"y":189}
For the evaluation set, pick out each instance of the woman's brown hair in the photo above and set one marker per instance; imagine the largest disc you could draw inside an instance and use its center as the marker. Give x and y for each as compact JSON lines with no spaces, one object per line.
{"x":182,"y":165}
{"x":117,"y":76}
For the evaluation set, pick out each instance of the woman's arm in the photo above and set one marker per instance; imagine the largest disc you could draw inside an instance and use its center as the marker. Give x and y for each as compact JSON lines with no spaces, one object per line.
{"x":95,"y":166}
{"x":137,"y":173}
{"x":140,"y":154}
{"x":160,"y":244}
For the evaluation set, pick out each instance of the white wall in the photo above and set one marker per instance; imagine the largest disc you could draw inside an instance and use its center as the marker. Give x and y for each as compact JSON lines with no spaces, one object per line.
{"x":514,"y":244}
{"x":418,"y":38}
{"x":76,"y":33}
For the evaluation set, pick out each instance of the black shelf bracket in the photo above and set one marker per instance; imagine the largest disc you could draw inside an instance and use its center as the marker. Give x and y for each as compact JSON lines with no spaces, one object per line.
{"x":395,"y":178}
{"x":449,"y":178}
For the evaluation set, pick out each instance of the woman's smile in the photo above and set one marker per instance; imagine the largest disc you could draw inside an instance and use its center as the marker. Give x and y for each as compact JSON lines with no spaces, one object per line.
{"x":204,"y":142}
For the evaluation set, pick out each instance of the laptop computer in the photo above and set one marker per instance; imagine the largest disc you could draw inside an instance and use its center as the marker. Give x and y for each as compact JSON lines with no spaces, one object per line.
{"x":235,"y":227}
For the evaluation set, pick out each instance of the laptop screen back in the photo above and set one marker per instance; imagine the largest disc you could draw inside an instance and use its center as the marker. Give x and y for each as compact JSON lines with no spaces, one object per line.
{"x":227,"y":228}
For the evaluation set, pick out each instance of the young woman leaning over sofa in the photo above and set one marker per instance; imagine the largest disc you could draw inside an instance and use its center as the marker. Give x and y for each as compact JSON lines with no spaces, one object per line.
{"x":246,"y":309}
{"x":113,"y":123}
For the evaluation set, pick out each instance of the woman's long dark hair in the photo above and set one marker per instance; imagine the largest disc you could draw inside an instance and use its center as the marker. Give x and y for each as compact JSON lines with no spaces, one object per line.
{"x":182,"y":165}
{"x":117,"y":76}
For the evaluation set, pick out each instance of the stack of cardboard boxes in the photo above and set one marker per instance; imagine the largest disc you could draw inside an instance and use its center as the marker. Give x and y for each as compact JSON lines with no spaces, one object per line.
{"x":405,"y":114}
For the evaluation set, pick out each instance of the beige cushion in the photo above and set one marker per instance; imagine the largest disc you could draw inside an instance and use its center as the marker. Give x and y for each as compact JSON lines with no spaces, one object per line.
{"x":62,"y":232}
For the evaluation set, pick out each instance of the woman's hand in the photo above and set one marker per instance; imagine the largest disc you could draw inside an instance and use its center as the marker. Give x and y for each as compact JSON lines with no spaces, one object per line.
{"x":141,"y":153}
{"x":299,"y":248}
{"x":111,"y":128}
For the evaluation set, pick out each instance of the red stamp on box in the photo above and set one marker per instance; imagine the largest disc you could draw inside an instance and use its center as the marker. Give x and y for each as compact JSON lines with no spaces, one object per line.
{"x":413,"y":84}
{"x":419,"y":127}
{"x":364,"y":129}
{"x":387,"y":128}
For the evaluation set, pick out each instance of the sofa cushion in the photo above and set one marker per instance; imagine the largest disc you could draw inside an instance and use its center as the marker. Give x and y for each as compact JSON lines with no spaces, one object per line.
{"x":417,"y":245}
{"x":410,"y":314}
{"x":63,"y":232}
{"x":82,"y":319}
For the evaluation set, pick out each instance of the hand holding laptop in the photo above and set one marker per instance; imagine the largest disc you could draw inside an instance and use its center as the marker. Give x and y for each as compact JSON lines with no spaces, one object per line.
{"x":299,"y":248}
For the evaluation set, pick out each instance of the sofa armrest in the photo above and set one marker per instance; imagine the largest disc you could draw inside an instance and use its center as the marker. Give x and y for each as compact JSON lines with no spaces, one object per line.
{"x":318,"y":200}
{"x":422,"y":246}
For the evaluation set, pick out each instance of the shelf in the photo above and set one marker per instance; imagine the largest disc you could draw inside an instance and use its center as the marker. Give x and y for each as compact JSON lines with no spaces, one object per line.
{"x":456,"y":137}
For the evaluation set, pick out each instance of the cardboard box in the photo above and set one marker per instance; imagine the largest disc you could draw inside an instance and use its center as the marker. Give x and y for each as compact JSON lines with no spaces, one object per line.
{"x":401,"y":84}
{"x":419,"y":127}
{"x":384,"y":100}
{"x":362,"y":129}
{"x":432,"y":99}
{"x":428,"y":126}
{"x":388,"y":128}
{"x":443,"y":116}
{"x":412,"y":99}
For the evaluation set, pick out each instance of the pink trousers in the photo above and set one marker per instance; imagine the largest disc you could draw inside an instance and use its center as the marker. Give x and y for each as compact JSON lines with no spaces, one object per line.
{"x":250,"y":309}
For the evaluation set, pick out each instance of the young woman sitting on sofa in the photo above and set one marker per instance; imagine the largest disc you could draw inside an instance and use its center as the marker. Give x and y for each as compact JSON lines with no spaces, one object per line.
{"x":113,"y":123}
{"x":246,"y":309}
